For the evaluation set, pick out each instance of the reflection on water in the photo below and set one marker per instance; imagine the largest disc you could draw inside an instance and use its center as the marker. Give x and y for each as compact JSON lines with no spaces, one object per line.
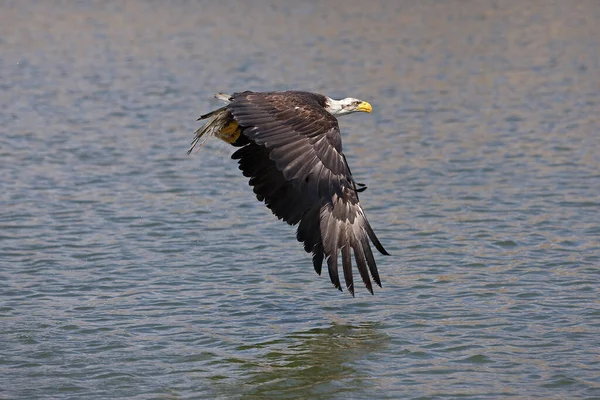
{"x":318,"y":363}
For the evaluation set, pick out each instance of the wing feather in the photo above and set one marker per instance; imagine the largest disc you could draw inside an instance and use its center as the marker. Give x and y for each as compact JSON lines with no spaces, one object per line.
{"x":347,"y":267}
{"x":318,"y":256}
{"x":369,"y":257}
{"x":332,"y":267}
{"x":361,"y":261}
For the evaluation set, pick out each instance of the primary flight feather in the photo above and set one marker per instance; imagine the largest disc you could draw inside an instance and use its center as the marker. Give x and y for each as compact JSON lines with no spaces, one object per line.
{"x":291,"y":149}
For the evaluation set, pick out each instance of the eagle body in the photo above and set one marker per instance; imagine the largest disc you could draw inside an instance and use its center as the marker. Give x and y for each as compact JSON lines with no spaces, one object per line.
{"x":291,"y":149}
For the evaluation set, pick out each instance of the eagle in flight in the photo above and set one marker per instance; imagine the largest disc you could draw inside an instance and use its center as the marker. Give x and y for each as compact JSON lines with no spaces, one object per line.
{"x":291,"y":149}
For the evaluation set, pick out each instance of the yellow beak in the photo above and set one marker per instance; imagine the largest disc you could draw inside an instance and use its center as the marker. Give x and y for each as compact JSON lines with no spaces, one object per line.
{"x":365,"y":107}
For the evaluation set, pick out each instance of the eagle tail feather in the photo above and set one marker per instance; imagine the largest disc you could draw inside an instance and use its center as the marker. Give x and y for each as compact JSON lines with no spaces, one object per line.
{"x":226,"y":98}
{"x":216,"y":120}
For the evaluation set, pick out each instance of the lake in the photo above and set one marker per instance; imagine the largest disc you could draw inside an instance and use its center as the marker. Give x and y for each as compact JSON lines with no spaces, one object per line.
{"x":129,"y":269}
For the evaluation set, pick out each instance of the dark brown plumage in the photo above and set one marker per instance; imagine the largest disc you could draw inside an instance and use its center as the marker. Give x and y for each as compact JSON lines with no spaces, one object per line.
{"x":291,"y":149}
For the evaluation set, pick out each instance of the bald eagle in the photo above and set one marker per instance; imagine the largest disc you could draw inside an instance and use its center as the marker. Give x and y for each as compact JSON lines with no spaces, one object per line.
{"x":291,"y":149}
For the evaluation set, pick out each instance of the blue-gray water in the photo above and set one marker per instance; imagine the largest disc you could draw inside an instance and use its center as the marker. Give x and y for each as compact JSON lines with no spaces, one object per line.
{"x":130,"y":270}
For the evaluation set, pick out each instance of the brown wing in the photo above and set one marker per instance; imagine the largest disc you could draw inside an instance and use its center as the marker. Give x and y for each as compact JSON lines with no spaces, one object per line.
{"x":296,"y":166}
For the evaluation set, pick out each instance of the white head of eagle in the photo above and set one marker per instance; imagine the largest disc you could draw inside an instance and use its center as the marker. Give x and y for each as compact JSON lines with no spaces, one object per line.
{"x":345,"y":106}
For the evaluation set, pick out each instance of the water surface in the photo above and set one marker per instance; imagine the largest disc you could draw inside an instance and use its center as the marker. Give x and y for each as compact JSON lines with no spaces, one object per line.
{"x":130,"y":270}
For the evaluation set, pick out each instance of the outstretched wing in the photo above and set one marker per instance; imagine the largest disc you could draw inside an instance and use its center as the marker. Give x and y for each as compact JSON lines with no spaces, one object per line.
{"x":296,"y":165}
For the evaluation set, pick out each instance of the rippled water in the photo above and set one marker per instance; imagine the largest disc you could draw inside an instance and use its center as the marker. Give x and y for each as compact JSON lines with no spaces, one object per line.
{"x":130,"y":270}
